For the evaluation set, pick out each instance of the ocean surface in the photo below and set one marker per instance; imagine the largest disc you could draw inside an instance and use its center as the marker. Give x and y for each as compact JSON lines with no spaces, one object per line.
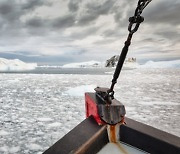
{"x":38,"y":107}
{"x":60,"y":70}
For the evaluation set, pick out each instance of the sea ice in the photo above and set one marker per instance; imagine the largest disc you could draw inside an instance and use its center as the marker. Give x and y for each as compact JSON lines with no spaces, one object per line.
{"x":44,"y":119}
{"x":4,"y":149}
{"x":3,"y":133}
{"x":55,"y":124}
{"x":45,"y":114}
{"x":14,"y":149}
{"x":38,"y":91}
{"x":34,"y":147}
{"x":80,"y":90}
{"x":157,"y":103}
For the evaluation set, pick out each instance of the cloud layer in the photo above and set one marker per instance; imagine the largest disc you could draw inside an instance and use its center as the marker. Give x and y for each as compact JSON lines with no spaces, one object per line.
{"x":77,"y":30}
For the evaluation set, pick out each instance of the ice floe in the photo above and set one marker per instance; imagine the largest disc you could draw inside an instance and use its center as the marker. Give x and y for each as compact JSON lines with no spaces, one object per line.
{"x":34,"y":147}
{"x":80,"y":90}
{"x":55,"y":124}
{"x":44,"y":119}
{"x":14,"y":149}
{"x":3,"y":133}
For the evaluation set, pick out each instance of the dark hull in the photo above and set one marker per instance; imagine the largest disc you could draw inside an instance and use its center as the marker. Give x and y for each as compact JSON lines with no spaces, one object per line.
{"x":89,"y":138}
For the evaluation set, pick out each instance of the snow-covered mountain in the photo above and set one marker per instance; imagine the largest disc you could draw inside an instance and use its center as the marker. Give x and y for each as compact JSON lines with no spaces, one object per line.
{"x":132,"y":63}
{"x":129,"y":63}
{"x":162,"y":64}
{"x":87,"y":64}
{"x":112,"y":62}
{"x":15,"y":65}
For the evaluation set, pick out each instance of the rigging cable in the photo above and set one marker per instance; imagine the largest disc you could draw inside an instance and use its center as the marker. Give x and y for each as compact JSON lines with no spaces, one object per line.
{"x":134,"y":23}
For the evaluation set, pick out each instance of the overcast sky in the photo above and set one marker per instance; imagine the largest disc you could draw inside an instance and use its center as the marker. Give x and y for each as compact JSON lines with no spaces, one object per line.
{"x":63,"y":31}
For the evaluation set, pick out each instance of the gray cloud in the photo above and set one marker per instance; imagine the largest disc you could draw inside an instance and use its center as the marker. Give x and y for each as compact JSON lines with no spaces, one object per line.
{"x":163,"y":18}
{"x":94,"y":10}
{"x":100,"y":9}
{"x":32,"y":4}
{"x":11,"y":12}
{"x":164,"y":12}
{"x":172,"y":36}
{"x":13,"y":9}
{"x":160,"y":15}
{"x":78,"y":52}
{"x":5,"y":8}
{"x":73,"y":5}
{"x":86,"y":19}
{"x":115,"y":33}
{"x":35,"y":22}
{"x":37,"y":25}
{"x":64,"y":22}
{"x":25,"y":21}
{"x":121,"y":16}
{"x":105,"y":41}
{"x":85,"y":33}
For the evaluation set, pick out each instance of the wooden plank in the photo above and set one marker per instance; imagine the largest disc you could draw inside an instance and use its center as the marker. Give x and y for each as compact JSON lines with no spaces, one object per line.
{"x":149,"y":139}
{"x":87,"y":137}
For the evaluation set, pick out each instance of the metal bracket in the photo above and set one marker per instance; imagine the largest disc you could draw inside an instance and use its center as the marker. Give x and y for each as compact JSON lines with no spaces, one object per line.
{"x":111,"y":111}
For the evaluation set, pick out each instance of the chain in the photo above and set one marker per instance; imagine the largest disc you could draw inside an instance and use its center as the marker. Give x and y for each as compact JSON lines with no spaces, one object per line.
{"x":134,"y":23}
{"x":137,"y":19}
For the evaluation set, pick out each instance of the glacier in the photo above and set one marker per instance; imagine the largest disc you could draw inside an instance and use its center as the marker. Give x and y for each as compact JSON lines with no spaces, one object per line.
{"x":13,"y":65}
{"x":87,"y":64}
{"x":162,"y":64}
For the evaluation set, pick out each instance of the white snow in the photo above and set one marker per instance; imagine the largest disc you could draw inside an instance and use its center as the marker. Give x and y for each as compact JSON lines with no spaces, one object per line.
{"x":161,"y":64}
{"x":87,"y":64}
{"x":15,"y":65}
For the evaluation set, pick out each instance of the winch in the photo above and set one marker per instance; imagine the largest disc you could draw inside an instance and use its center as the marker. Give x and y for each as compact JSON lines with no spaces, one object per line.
{"x":104,"y":109}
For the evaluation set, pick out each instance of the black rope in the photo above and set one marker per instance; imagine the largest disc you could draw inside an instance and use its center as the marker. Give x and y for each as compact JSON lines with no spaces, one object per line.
{"x":134,"y":23}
